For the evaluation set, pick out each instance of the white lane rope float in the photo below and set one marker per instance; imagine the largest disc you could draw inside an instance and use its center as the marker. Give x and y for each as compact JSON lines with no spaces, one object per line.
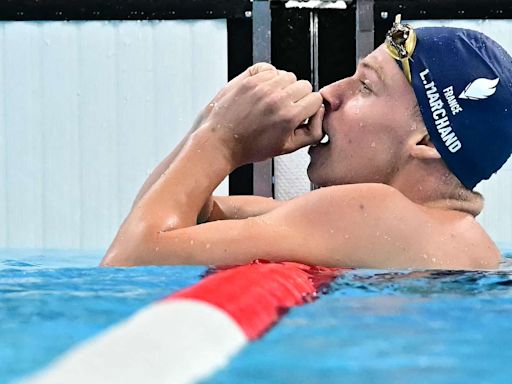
{"x":190,"y":334}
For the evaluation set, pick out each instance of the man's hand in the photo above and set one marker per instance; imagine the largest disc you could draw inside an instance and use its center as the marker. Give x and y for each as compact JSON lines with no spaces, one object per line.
{"x":259,"y":114}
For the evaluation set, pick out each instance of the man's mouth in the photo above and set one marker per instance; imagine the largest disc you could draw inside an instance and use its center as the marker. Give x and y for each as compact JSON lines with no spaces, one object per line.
{"x":324,"y":141}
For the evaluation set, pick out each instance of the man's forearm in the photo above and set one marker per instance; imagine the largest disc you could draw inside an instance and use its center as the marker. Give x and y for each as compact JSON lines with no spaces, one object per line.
{"x":175,"y":199}
{"x":165,"y":163}
{"x":182,"y":189}
{"x":157,"y":172}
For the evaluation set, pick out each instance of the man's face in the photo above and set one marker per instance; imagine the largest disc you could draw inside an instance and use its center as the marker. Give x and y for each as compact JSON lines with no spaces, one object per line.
{"x":369,"y":119}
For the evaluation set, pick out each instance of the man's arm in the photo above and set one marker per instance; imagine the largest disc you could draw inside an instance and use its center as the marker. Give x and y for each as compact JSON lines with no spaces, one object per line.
{"x":257,"y":116}
{"x":215,"y":207}
{"x":360,"y":225}
{"x":236,"y":207}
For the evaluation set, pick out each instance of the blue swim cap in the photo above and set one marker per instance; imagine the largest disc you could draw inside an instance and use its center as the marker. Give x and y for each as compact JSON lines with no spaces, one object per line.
{"x":463,"y":83}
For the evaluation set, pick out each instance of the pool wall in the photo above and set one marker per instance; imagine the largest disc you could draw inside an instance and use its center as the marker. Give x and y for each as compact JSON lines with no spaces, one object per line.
{"x":88,"y":109}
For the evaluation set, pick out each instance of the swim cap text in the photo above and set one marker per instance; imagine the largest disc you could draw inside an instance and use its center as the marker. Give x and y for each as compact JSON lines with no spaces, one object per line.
{"x":439,"y":114}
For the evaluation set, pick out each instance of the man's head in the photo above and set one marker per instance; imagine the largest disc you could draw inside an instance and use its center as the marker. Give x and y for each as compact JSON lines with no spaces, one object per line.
{"x":375,"y":128}
{"x":373,"y":123}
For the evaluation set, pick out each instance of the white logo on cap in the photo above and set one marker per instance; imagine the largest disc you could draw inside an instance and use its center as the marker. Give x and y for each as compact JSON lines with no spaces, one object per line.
{"x":480,"y":89}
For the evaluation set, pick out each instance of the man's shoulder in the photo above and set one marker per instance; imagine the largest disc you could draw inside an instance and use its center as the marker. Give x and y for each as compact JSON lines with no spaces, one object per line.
{"x":364,"y":205}
{"x":376,"y":226}
{"x":449,"y":238}
{"x":371,"y":189}
{"x":374,"y":194}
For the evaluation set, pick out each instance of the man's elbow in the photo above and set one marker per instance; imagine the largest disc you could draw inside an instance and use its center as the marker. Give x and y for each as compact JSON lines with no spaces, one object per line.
{"x":129,"y":247}
{"x":115,"y":258}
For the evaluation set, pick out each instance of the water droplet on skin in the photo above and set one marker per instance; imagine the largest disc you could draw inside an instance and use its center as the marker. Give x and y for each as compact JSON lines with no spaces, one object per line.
{"x":191,"y":242}
{"x":331,"y":230}
{"x":372,"y":144}
{"x":207,"y":245}
{"x":433,"y":259}
{"x":157,"y":249}
{"x":347,"y":236}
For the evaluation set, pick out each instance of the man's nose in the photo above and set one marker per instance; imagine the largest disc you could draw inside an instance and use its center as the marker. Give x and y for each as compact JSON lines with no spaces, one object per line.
{"x":332,"y":95}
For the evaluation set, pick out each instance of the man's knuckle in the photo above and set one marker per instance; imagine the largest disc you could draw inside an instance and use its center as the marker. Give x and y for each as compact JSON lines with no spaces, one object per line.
{"x":263,"y":91}
{"x":287,"y":116}
{"x":274,"y":101}
{"x":292,"y":76}
{"x":306,"y":84}
{"x":253,"y":82}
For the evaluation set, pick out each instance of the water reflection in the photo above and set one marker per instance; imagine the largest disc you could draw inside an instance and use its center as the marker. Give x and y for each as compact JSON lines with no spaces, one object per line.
{"x":426,"y":283}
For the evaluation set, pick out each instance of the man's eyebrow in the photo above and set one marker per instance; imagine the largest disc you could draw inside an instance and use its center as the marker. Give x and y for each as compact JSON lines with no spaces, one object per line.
{"x":376,"y":68}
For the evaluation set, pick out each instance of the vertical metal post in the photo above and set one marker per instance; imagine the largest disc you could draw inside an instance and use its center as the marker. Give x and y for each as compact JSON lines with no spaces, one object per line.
{"x":313,"y":39}
{"x":313,"y":50}
{"x":364,"y":28}
{"x":261,"y":48}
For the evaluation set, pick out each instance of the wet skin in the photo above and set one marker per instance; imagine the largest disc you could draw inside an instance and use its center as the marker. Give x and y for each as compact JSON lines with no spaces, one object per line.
{"x":386,"y":202}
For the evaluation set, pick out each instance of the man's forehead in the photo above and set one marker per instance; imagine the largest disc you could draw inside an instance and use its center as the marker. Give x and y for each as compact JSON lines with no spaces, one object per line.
{"x":372,"y":65}
{"x":383,"y":64}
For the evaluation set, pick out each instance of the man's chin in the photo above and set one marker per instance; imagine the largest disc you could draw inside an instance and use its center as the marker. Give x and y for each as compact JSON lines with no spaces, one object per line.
{"x":314,"y":177}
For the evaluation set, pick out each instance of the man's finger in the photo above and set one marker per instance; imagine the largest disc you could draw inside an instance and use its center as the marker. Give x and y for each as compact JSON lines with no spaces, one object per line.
{"x":308,"y":106}
{"x":264,"y":76}
{"x":260,"y":67}
{"x":283,"y":80}
{"x":298,"y":90}
{"x":251,"y":71}
{"x":312,"y":133}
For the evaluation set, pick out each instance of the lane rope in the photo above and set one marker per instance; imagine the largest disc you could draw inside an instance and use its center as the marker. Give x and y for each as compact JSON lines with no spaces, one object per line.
{"x":190,"y":334}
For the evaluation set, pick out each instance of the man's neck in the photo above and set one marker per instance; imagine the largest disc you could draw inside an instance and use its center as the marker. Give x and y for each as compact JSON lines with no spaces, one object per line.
{"x":436,"y":189}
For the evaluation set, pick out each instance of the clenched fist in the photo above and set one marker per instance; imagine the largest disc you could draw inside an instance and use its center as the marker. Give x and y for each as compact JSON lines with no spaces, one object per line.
{"x":260,"y":114}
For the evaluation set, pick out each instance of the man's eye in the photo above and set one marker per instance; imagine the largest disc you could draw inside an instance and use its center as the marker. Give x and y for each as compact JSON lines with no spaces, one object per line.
{"x":365,"y":88}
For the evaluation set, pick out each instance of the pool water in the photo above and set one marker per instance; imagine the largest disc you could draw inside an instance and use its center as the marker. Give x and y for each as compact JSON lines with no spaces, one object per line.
{"x":370,"y":326}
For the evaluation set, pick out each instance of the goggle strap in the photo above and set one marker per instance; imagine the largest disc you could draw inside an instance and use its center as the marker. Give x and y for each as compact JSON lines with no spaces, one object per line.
{"x":407,"y":69}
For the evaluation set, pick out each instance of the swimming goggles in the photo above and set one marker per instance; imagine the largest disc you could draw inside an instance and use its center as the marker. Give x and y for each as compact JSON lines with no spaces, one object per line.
{"x":400,"y":44}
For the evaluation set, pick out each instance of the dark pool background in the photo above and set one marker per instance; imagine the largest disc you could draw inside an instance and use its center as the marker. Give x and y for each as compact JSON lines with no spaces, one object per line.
{"x":370,"y":326}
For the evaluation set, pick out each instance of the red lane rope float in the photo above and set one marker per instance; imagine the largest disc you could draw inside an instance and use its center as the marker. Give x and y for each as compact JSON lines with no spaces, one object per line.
{"x":257,"y":295}
{"x":190,"y":334}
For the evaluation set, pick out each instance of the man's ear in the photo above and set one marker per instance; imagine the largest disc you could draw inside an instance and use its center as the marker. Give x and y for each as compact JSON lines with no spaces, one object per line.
{"x":424,"y":149}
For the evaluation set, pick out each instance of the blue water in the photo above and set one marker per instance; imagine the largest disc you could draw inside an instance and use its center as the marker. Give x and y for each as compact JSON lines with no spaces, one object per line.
{"x":370,"y":327}
{"x":51,"y":300}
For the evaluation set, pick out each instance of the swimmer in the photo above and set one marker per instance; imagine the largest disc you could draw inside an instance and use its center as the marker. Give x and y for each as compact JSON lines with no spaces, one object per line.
{"x":426,"y":116}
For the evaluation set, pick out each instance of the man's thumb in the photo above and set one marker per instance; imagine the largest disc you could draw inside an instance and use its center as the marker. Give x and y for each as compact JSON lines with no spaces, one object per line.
{"x":312,"y":133}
